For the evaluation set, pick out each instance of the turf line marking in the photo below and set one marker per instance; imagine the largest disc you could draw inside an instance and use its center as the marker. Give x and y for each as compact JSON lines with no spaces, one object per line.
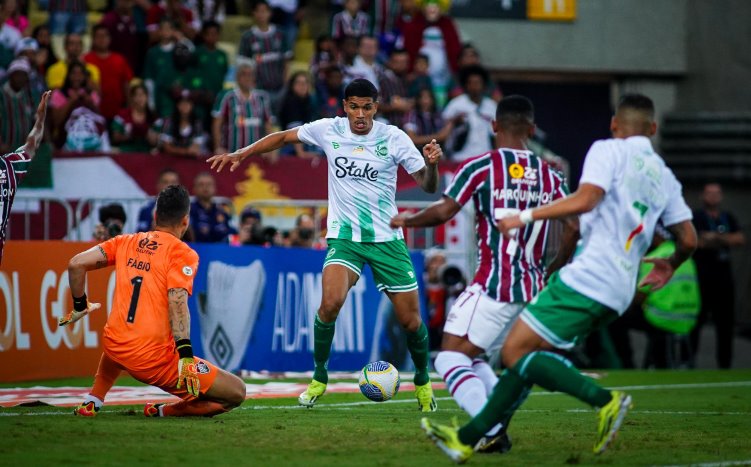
{"x":714,"y":464}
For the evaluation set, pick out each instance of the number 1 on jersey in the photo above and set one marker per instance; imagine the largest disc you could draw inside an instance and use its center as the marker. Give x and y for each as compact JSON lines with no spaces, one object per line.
{"x":136,"y":281}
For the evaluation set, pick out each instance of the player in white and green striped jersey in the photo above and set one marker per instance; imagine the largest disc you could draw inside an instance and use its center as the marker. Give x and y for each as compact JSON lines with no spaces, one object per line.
{"x":363,"y":158}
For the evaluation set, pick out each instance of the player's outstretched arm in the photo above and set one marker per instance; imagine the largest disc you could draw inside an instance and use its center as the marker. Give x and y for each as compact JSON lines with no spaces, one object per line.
{"x":37,"y":132}
{"x":93,"y":258}
{"x":435,"y":214}
{"x":179,"y":318}
{"x":686,"y":242}
{"x":427,"y":177}
{"x":267,"y":144}
{"x":586,"y":198}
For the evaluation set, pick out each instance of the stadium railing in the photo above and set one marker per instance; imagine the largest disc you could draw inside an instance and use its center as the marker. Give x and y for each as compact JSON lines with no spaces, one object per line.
{"x":35,"y":209}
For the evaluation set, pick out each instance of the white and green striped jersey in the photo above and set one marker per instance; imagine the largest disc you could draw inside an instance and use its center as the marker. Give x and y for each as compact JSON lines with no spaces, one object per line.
{"x":362,"y":176}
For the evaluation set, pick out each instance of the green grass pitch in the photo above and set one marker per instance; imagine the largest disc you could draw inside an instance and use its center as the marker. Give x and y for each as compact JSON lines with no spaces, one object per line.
{"x":678,"y":418}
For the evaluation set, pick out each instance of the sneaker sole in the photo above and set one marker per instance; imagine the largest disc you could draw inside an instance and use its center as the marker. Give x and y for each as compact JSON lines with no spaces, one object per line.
{"x":452,"y":454}
{"x":623,"y":410}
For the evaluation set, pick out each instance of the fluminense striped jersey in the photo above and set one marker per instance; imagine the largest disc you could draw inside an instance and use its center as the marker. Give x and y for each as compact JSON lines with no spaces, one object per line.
{"x":13,"y":169}
{"x":362,"y":176}
{"x":243,"y":120}
{"x":504,"y":182}
{"x":270,"y":53}
{"x":18,"y":110}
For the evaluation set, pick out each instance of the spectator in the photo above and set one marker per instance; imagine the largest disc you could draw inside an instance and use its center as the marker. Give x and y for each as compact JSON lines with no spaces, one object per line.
{"x":111,"y":222}
{"x":393,"y":101}
{"x":365,"y":65}
{"x":330,"y":93}
{"x":183,"y":134}
{"x":28,"y":49}
{"x":42,"y":35}
{"x":435,"y":35}
{"x":297,"y":109}
{"x":124,"y":31}
{"x":68,"y":17}
{"x":75,"y":113}
{"x":347,"y":51}
{"x":19,"y":105}
{"x":425,"y":123}
{"x":132,"y":127}
{"x":190,"y":79}
{"x":73,"y":50}
{"x":16,"y":18}
{"x":436,"y":296}
{"x":350,"y":22}
{"x":159,"y":69}
{"x":250,"y":227}
{"x":383,"y":15}
{"x":286,"y":14}
{"x":115,"y":73}
{"x":211,"y":66}
{"x":469,"y":56}
{"x":9,"y":36}
{"x":323,"y":58}
{"x":242,"y":115}
{"x":209,"y":221}
{"x":474,"y":135}
{"x":264,"y":44}
{"x":303,"y":235}
{"x":186,"y":25}
{"x":718,"y":232}
{"x":207,"y":11}
{"x":419,"y":78}
{"x":166,"y":178}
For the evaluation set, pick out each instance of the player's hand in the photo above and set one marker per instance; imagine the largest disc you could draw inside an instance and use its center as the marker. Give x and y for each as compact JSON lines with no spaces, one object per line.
{"x":659,"y":275}
{"x":186,"y":372}
{"x":432,"y":152}
{"x":509,"y":225}
{"x":74,"y":315}
{"x":399,"y":220}
{"x":42,"y":107}
{"x":220,"y":160}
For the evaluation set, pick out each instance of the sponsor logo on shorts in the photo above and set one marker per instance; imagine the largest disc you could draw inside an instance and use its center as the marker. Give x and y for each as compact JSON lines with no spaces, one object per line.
{"x":187,"y":270}
{"x":411,"y":274}
{"x":330,"y":253}
{"x":202,"y":368}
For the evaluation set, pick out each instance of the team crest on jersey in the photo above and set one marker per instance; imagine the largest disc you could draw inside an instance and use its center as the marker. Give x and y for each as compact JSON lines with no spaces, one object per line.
{"x":188,"y":271}
{"x":358,"y":150}
{"x":382,"y":150}
{"x":3,"y":176}
{"x":516,"y":171}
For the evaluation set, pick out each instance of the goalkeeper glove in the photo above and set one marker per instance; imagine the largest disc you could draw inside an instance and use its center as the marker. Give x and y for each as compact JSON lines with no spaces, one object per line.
{"x":81,"y":308}
{"x":186,"y":368}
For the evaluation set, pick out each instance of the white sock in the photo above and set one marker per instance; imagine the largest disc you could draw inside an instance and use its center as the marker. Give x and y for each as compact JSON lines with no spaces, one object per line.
{"x":91,"y":398}
{"x":467,"y":389}
{"x":485,"y":373}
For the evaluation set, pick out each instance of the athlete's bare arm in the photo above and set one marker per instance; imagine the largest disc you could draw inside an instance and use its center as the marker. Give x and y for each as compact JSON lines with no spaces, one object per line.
{"x":435,"y":214}
{"x":569,"y":237}
{"x":268,"y":143}
{"x":427,"y":177}
{"x":585,"y":199}
{"x":93,"y":258}
{"x":685,"y":244}
{"x":37,"y":132}
{"x":179,"y":315}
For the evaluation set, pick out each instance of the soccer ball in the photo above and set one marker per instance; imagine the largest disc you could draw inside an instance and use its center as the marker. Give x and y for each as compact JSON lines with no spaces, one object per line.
{"x":379,"y":381}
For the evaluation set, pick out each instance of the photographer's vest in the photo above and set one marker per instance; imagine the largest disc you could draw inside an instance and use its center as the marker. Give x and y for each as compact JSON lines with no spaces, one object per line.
{"x":675,"y":307}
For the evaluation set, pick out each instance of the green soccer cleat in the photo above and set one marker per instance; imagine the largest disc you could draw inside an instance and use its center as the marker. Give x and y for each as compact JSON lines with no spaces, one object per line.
{"x":311,"y":395}
{"x":611,"y":416}
{"x":425,"y":400}
{"x":500,"y":443}
{"x":447,"y":439}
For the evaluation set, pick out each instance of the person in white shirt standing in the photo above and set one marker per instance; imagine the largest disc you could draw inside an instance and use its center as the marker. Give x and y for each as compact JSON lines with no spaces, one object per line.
{"x":475,"y":135}
{"x":363,"y":158}
{"x":624,"y":190}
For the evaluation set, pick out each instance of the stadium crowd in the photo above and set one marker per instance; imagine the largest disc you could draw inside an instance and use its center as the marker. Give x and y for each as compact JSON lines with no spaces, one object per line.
{"x":156,"y":79}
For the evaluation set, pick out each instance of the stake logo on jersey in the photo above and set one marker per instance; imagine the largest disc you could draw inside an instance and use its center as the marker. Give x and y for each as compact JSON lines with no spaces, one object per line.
{"x":362,"y":176}
{"x":501,"y":183}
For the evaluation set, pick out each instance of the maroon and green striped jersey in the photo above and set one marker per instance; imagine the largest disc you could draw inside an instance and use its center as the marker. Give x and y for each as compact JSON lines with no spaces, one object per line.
{"x":18,"y":114}
{"x":504,"y":182}
{"x":243,"y":119}
{"x":270,"y":53}
{"x":13,"y":167}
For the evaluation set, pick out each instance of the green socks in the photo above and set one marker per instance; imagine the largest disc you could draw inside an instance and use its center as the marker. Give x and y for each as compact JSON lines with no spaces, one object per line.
{"x":551,"y":371}
{"x":417,"y":343}
{"x":323,"y":336}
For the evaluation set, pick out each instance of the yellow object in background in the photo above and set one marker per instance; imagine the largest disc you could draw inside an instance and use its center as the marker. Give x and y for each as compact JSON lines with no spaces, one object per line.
{"x":551,"y":10}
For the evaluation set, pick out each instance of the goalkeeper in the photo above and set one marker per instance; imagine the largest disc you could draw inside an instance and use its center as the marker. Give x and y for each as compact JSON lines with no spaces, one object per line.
{"x":148,"y":331}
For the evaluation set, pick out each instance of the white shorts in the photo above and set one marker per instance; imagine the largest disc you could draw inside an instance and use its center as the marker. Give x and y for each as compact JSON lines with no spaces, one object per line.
{"x":483,"y":321}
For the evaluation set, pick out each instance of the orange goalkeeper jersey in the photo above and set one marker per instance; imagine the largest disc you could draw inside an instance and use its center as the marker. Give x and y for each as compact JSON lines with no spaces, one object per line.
{"x":138,"y":334}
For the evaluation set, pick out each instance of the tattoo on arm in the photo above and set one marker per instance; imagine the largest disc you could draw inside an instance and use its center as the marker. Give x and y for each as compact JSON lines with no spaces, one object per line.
{"x":179,"y":315}
{"x":102,"y":263}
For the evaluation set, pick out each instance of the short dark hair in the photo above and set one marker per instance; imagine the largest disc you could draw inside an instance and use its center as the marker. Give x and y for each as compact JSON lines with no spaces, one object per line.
{"x":98,"y":27}
{"x":397,"y":51}
{"x":172,"y":204}
{"x":210,"y":24}
{"x":515,"y":113}
{"x":112,"y":211}
{"x":361,"y":87}
{"x":635,"y":101}
{"x":473,"y":70}
{"x":258,"y":3}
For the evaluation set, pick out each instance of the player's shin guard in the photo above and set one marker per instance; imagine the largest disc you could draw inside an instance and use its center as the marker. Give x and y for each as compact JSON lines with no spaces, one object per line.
{"x":323,"y":336}
{"x":417,"y":343}
{"x":556,"y":373}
